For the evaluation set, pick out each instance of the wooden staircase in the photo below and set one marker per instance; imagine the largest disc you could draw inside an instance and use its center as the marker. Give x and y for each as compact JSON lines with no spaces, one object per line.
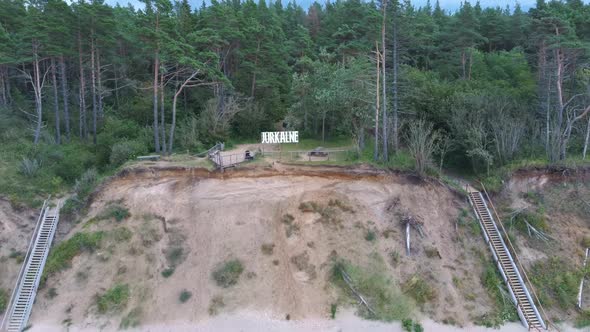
{"x":21,"y":303}
{"x":525,"y":306}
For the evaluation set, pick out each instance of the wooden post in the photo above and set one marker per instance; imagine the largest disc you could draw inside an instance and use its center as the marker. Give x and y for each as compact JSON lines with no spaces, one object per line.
{"x":582,"y":281}
{"x":408,"y":239}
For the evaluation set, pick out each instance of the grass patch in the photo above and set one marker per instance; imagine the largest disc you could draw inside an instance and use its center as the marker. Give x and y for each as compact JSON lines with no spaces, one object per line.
{"x":121,"y":234}
{"x":114,"y":299}
{"x":494,"y":285}
{"x":583,"y":319}
{"x":557,"y":282}
{"x":115,"y":211}
{"x":132,"y":319}
{"x":370,"y":236}
{"x":418,"y":289}
{"x":228,"y":274}
{"x":61,"y":255}
{"x":185,"y":295}
{"x":216,"y":305}
{"x":3,"y":299}
{"x":375,"y":286}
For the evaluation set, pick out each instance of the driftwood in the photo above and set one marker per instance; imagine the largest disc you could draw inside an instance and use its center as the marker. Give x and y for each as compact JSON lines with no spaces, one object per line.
{"x":348,"y":280}
{"x":582,"y":281}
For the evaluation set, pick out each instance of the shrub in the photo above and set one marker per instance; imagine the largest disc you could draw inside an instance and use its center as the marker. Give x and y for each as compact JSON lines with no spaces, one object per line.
{"x":582,"y":321}
{"x":123,"y":151}
{"x":228,"y":274}
{"x":411,"y":326}
{"x":113,"y":299}
{"x":333,"y":308}
{"x":29,"y":167}
{"x":62,"y":254}
{"x":167,"y":272}
{"x":85,"y":184}
{"x":77,"y":159}
{"x":533,"y":218}
{"x":175,"y":255}
{"x":115,"y":211}
{"x":51,"y":293}
{"x":3,"y":299}
{"x":184,"y":296}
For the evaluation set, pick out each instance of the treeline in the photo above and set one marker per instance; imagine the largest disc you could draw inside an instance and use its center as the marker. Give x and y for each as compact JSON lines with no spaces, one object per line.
{"x":485,"y":85}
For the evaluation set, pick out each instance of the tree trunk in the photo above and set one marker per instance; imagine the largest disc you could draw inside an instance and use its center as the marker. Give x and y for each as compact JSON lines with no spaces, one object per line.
{"x":55,"y":103}
{"x":323,"y":127}
{"x":383,"y":80}
{"x":3,"y":99}
{"x":156,"y":131}
{"x":37,"y":86}
{"x":82,"y":95}
{"x":254,"y":73}
{"x":377,"y":103}
{"x":65,"y":96}
{"x":463,"y":63}
{"x":93,"y":88}
{"x":99,"y":89}
{"x":586,"y":140}
{"x":395,"y":87}
{"x":162,"y":117}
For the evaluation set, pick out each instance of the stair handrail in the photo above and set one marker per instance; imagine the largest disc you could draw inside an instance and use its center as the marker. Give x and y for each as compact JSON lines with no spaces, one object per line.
{"x":8,"y":311}
{"x":517,"y":260}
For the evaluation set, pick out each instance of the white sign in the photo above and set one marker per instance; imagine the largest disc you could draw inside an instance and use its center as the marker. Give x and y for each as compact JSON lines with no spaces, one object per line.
{"x":275,"y":137}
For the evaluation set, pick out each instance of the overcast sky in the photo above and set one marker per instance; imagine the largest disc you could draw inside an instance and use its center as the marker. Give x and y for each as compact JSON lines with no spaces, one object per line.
{"x":449,"y":5}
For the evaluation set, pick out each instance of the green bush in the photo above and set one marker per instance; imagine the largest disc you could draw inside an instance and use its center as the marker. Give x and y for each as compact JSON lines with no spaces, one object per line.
{"x":370,"y":236}
{"x":184,"y":296}
{"x":228,"y":274}
{"x":76,"y":160}
{"x":114,"y":211}
{"x":167,"y":272}
{"x":123,"y":151}
{"x":113,"y":299}
{"x":61,"y":255}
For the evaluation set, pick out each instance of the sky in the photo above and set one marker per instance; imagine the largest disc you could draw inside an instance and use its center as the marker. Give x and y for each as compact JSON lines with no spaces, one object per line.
{"x":448,"y":5}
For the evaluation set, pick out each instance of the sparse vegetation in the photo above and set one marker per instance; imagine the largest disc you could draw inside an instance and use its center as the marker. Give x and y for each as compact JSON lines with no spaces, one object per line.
{"x":375,"y":286}
{"x":51,"y":293}
{"x":333,"y":309}
{"x":394,"y":258}
{"x":149,"y":233}
{"x":582,"y":321}
{"x":62,"y":254}
{"x":338,"y":203}
{"x":290,"y":226}
{"x":215,"y":305}
{"x":228,"y":274}
{"x":3,"y":299}
{"x":121,"y":234}
{"x":114,"y":299}
{"x":533,"y":218}
{"x":418,"y":289}
{"x":18,"y":256}
{"x":132,"y":319}
{"x":267,"y":248}
{"x":185,"y":295}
